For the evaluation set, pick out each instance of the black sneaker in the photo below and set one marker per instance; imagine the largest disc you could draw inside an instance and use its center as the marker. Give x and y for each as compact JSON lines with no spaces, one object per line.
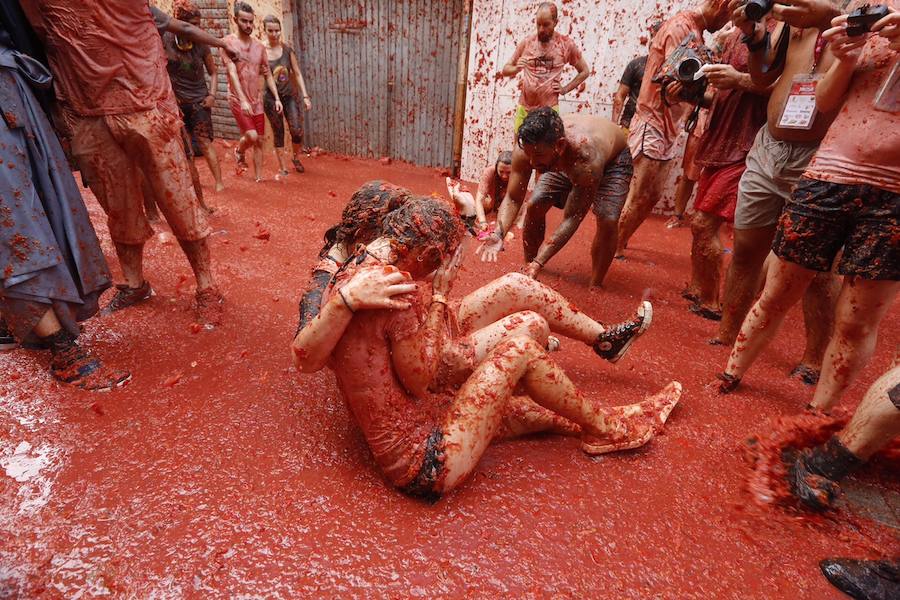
{"x":75,"y":366}
{"x":7,"y":341}
{"x":813,"y":473}
{"x":613,"y":343}
{"x":864,"y":579}
{"x":127,"y":296}
{"x":298,"y":166}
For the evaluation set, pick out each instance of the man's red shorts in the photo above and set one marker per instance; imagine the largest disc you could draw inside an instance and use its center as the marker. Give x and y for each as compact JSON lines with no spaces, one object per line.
{"x":247,"y":122}
{"x":717,"y":190}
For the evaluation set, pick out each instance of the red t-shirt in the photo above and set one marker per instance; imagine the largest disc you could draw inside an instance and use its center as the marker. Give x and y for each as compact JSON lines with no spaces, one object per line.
{"x":107,"y":56}
{"x":545,"y":65}
{"x":396,"y":425}
{"x":735,"y":116}
{"x":650,"y":107}
{"x":253,"y":64}
{"x":863,"y":144}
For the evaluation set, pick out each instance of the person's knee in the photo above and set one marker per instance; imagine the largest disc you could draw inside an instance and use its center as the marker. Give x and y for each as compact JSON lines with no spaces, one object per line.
{"x":749,"y":253}
{"x":516,"y":280}
{"x":854,"y":328}
{"x":608,"y":227}
{"x":702,"y":225}
{"x":537,"y":327}
{"x":523,"y":345}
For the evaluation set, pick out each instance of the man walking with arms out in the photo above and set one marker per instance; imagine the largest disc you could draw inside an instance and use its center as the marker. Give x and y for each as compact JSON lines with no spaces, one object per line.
{"x":243,"y":81}
{"x":541,"y":59}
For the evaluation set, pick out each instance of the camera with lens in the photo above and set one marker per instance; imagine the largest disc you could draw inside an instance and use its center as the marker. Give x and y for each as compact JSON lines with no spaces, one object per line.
{"x":860,"y":21}
{"x":684,"y":66}
{"x":755,"y":10}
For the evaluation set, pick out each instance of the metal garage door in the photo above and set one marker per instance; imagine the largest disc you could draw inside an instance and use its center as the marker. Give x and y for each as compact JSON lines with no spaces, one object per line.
{"x":382,"y":76}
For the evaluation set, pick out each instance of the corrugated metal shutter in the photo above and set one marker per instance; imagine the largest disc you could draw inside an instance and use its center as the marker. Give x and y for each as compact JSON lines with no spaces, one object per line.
{"x":382,"y":75}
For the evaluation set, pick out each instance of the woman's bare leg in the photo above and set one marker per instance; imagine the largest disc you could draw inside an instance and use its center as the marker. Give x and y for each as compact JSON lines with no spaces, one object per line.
{"x":514,"y":293}
{"x":785,"y":285}
{"x":525,"y":417}
{"x":481,"y":404}
{"x":861,"y":306}
{"x":461,"y":356}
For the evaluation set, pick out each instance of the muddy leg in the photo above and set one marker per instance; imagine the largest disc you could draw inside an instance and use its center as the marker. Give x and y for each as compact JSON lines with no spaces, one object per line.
{"x":514,"y":293}
{"x":786,"y":284}
{"x":751,"y":246}
{"x":642,"y":197}
{"x":603,"y":249}
{"x":819,"y":304}
{"x":861,"y":306}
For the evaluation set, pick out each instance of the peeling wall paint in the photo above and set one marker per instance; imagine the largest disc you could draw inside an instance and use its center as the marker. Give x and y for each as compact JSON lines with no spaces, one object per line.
{"x":609,"y":33}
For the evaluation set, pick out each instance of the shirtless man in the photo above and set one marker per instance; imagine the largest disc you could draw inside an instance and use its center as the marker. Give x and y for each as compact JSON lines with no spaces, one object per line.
{"x":585,"y":165}
{"x":778,"y":158}
{"x":427,"y":443}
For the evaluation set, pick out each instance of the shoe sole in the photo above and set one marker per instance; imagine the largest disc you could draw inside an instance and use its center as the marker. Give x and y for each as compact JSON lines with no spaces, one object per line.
{"x":667,"y":400}
{"x":705,"y":312}
{"x":645,"y":311}
{"x":105,"y":311}
{"x":7,"y":347}
{"x":108,"y":388}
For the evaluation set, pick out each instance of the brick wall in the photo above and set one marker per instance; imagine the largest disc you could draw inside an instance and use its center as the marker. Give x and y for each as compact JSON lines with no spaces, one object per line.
{"x":215,"y":18}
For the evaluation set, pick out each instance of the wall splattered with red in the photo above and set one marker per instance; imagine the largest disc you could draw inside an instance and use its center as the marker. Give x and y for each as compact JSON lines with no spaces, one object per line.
{"x":609,"y":35}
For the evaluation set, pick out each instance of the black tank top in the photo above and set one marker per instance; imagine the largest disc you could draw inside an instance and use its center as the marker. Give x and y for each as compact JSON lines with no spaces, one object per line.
{"x":282,"y":72}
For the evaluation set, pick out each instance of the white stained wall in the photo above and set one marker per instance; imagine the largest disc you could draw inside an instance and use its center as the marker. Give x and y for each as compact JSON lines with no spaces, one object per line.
{"x":609,"y":32}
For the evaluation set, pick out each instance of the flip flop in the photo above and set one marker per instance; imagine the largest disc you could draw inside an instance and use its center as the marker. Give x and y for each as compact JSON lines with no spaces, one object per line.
{"x":705,"y":312}
{"x":660,"y":405}
{"x":690,"y":296}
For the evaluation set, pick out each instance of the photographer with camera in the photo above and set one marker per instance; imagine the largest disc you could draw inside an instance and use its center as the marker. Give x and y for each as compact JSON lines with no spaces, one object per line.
{"x":847,"y":198}
{"x":737,"y":111}
{"x":793,"y":57}
{"x":657,"y":122}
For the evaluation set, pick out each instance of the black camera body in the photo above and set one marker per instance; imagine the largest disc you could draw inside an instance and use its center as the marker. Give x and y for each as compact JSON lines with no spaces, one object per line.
{"x":860,"y":21}
{"x":755,"y":10}
{"x":683,"y":65}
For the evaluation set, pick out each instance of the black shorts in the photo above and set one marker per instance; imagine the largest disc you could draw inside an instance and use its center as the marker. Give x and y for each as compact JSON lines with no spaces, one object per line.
{"x":431,"y":472}
{"x":198,"y":121}
{"x":555,"y":188}
{"x":822,"y":217}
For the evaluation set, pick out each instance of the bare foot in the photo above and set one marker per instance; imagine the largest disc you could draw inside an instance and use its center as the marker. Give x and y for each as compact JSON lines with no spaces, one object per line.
{"x":634,"y":425}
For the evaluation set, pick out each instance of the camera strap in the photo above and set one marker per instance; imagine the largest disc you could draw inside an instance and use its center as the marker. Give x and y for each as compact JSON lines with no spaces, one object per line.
{"x":781,"y":49}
